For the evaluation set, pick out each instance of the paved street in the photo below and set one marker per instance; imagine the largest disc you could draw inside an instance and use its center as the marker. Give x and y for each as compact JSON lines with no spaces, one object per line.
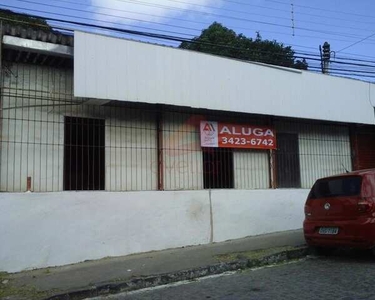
{"x":340,"y":277}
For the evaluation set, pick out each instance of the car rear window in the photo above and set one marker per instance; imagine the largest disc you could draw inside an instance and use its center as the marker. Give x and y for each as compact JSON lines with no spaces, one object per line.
{"x":335,"y":187}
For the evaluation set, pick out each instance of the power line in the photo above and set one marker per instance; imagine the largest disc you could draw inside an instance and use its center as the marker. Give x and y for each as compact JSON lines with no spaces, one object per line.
{"x":206,"y":6}
{"x":128,"y":25}
{"x":349,"y":70}
{"x":171,"y":8}
{"x":343,"y":74}
{"x":133,"y":12}
{"x":300,"y":13}
{"x":65,"y":29}
{"x":352,"y":64}
{"x":166,"y":17}
{"x":174,"y":18}
{"x":83,"y":18}
{"x":163,"y":6}
{"x":350,"y":75}
{"x":109,"y":15}
{"x":305,"y":55}
{"x":339,"y":62}
{"x":283,"y":10}
{"x":127,"y":11}
{"x":174,"y":38}
{"x":358,"y":55}
{"x":148,"y":34}
{"x":197,"y":30}
{"x":217,"y":8}
{"x":124,"y":25}
{"x":323,"y":9}
{"x":356,"y":43}
{"x":138,"y":2}
{"x":262,"y":15}
{"x":354,"y":59}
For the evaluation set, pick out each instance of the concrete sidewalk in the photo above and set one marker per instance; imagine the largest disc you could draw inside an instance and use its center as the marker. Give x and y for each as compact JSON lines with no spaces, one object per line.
{"x":43,"y":283}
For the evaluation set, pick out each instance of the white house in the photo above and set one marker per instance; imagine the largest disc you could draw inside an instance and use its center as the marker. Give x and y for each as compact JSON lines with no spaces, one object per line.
{"x":111,"y":146}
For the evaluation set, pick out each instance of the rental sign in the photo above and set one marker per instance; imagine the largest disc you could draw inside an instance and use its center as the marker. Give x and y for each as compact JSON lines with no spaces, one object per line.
{"x":223,"y":135}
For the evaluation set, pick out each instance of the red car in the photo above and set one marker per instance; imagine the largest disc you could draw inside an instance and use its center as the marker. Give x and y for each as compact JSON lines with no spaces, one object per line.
{"x":340,"y":211}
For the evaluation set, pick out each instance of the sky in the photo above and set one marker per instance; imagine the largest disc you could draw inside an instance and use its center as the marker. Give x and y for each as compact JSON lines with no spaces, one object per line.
{"x":348,"y":25}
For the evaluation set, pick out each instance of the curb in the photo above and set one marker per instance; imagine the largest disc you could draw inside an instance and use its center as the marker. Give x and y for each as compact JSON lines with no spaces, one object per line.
{"x":104,"y":289}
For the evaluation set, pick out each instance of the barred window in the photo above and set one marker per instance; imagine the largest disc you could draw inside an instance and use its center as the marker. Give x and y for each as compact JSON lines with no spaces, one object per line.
{"x":84,"y":161}
{"x":218,"y":168}
{"x":287,"y":161}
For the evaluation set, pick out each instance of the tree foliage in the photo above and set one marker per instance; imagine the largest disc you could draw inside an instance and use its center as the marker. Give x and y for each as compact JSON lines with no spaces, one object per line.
{"x":13,"y":18}
{"x":220,"y":40}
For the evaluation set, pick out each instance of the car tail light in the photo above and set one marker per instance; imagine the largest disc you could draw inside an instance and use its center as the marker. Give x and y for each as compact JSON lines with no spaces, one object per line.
{"x":365,"y":205}
{"x":307,"y":211}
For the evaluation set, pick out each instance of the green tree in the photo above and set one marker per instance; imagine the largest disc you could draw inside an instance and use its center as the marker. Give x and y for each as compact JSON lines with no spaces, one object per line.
{"x":220,"y":40}
{"x":24,"y":20}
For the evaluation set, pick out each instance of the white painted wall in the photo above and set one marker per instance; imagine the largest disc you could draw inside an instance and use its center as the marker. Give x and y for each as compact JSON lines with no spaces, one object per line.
{"x":251,"y":169}
{"x":113,"y":68}
{"x":240,"y":213}
{"x":372,"y":94}
{"x":35,"y":100}
{"x":182,"y":153}
{"x":131,"y":150}
{"x":32,"y":133}
{"x":48,"y":229}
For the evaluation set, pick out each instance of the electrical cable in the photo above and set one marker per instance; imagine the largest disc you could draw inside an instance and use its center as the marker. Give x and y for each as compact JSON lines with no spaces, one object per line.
{"x":162,"y":24}
{"x":109,"y":15}
{"x":272,"y":8}
{"x":278,"y":17}
{"x":322,"y":9}
{"x":182,"y":39}
{"x":203,"y":6}
{"x":179,"y":19}
{"x":89,"y":19}
{"x":297,"y":54}
{"x":226,"y":46}
{"x":356,"y":43}
{"x":228,"y":17}
{"x":114,"y":16}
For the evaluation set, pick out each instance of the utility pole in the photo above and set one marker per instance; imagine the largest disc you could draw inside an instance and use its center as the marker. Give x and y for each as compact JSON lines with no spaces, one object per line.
{"x":325,"y":57}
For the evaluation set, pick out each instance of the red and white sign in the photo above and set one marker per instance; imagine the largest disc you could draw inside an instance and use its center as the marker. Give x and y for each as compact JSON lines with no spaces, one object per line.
{"x":223,"y":135}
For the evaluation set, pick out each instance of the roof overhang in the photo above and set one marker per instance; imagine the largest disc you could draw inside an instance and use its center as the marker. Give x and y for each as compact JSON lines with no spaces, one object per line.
{"x":110,"y":68}
{"x":27,"y":45}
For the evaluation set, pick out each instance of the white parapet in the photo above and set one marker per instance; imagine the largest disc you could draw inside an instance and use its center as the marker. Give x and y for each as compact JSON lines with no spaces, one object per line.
{"x":125,"y":70}
{"x":50,"y":229}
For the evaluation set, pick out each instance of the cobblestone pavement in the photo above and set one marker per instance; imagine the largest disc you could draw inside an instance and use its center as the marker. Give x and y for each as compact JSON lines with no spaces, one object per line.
{"x":343,"y":277}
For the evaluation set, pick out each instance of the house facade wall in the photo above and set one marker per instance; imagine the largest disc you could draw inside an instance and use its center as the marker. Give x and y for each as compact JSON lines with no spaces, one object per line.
{"x":36,"y":100}
{"x":50,"y":226}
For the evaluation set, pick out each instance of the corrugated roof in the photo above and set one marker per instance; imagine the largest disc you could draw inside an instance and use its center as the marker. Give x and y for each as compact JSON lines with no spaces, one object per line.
{"x":36,"y":34}
{"x":42,"y":35}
